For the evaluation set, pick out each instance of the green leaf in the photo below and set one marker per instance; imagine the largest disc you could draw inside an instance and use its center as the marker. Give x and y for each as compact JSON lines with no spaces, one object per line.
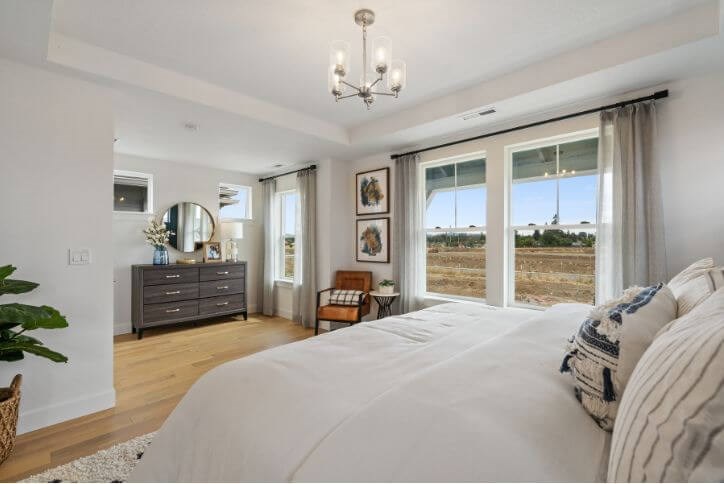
{"x":7,"y":326}
{"x":32,"y":317}
{"x":11,"y":355}
{"x":12,"y":286}
{"x":27,"y":339}
{"x":14,"y":346}
{"x":5,"y":271}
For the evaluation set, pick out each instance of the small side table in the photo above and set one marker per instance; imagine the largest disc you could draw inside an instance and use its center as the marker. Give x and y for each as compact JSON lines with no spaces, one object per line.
{"x":384,"y":302}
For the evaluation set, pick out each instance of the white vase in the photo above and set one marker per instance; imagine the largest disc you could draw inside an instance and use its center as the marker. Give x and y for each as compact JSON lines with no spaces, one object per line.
{"x":387,"y":289}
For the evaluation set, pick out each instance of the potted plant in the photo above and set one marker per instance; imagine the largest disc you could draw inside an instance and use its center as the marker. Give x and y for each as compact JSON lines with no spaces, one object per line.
{"x":157,"y":235}
{"x":16,"y":319}
{"x":387,"y":286}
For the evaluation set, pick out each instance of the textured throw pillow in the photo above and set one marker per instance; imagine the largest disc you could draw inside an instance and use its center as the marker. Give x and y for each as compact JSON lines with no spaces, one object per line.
{"x":344,"y":297}
{"x":609,"y":343}
{"x":692,"y":285}
{"x":670,"y":424}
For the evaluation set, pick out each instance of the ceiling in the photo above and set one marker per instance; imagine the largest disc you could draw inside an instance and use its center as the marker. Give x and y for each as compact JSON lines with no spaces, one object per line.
{"x":252,"y":74}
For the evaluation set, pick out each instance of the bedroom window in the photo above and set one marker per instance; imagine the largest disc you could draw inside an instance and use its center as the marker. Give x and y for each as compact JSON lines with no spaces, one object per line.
{"x":287,"y":202}
{"x":455,"y":197}
{"x":553,"y":200}
{"x":132,"y":192}
{"x":234,"y":202}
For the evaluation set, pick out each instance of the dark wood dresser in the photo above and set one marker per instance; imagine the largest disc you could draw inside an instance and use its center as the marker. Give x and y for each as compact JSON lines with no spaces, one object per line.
{"x":178,"y":293}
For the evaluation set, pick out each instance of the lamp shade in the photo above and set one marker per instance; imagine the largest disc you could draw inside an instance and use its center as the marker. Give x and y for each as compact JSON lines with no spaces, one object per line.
{"x":232,"y":230}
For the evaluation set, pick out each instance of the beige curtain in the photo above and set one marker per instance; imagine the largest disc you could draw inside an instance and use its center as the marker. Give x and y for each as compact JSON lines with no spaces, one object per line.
{"x":305,"y":250}
{"x":630,"y":247}
{"x":266,"y":294}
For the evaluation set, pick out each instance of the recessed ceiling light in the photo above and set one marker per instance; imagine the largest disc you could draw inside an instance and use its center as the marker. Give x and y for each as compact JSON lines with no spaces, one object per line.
{"x":191,"y":126}
{"x":277,"y":165}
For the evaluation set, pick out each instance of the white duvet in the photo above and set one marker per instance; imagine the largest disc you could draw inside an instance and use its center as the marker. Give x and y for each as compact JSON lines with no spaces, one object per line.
{"x":457,"y":392}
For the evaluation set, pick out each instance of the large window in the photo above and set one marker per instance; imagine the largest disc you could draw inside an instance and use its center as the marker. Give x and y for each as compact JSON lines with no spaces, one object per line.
{"x":132,"y":192}
{"x":287,"y":204}
{"x":456,"y":198}
{"x":553,"y":199}
{"x":234,"y":202}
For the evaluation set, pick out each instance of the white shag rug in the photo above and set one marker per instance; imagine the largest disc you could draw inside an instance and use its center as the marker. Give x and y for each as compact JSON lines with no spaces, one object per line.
{"x":109,"y":465}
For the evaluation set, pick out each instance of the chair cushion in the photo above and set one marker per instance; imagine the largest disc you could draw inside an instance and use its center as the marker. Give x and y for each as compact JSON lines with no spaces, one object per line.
{"x":345,"y":297}
{"x":338,"y":313}
{"x":609,"y":344}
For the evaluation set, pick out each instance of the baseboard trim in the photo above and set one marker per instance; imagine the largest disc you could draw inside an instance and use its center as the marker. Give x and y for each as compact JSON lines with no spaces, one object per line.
{"x":284,"y":313}
{"x":70,"y":409}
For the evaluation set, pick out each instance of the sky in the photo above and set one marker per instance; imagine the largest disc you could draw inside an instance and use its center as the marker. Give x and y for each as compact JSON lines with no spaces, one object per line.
{"x":532,"y":202}
{"x":290,"y":212}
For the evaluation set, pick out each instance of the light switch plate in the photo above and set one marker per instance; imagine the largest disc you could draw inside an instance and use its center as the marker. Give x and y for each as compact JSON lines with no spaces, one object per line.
{"x":79,"y":257}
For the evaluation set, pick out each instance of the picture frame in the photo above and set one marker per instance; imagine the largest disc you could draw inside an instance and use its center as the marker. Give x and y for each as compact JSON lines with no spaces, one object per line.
{"x":372,"y":190}
{"x":373,"y":240}
{"x":212,"y":252}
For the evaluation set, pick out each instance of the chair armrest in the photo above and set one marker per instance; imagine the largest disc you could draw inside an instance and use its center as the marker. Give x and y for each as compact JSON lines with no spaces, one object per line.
{"x":325,"y":290}
{"x":319,"y":294}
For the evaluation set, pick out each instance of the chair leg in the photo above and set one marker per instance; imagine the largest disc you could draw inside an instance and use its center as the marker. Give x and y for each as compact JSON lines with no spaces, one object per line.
{"x":316,"y":326}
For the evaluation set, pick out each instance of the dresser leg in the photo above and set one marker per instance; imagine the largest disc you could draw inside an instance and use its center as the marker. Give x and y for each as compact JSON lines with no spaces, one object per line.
{"x":245,"y":315}
{"x":133,"y":329}
{"x":140,"y":334}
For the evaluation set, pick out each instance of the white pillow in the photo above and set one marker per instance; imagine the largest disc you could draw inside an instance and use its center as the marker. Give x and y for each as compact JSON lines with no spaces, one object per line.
{"x":609,"y":343}
{"x":692,"y":285}
{"x":671,"y":419}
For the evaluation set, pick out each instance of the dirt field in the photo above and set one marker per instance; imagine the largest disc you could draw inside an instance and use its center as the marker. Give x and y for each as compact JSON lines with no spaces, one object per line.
{"x":543,"y":275}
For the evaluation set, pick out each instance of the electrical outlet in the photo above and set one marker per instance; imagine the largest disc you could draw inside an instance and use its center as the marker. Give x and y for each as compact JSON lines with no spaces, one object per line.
{"x":79,"y":257}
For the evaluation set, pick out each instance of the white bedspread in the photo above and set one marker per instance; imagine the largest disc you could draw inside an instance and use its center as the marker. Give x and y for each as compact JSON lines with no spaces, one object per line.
{"x":457,"y":392}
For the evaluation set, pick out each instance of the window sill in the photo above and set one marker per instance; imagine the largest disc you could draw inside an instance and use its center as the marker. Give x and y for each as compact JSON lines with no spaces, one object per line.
{"x":284,"y":283}
{"x":443,"y":298}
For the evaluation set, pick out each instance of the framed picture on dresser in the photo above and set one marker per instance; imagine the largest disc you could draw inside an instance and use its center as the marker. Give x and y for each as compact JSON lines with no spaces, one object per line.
{"x":372,"y":189}
{"x":373,"y":240}
{"x":212,"y":251}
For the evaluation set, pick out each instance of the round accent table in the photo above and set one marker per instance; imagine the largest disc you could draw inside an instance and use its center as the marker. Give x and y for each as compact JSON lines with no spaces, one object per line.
{"x":384,"y":302}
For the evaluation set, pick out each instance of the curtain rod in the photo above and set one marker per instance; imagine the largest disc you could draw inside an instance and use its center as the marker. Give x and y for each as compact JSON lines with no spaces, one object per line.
{"x":656,"y":95}
{"x":311,"y":167}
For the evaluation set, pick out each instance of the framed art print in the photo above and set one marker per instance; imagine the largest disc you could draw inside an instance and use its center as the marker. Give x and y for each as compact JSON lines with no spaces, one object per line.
{"x":373,"y":240}
{"x":212,"y":251}
{"x":373,"y":192}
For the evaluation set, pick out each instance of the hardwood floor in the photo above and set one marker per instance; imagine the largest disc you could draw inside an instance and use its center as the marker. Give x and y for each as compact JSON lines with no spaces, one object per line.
{"x":151,"y":376}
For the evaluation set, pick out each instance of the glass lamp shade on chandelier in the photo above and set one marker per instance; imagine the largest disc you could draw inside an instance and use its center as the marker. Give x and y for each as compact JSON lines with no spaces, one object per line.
{"x":379,"y":67}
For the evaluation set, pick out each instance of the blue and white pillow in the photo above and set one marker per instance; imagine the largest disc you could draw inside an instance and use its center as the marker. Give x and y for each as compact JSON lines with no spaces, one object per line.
{"x":603,"y":353}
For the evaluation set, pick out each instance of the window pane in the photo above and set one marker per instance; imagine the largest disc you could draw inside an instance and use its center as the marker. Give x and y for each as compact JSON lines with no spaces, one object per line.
{"x":234,"y":201}
{"x":578,"y":156}
{"x":290,"y":213}
{"x":578,"y":199}
{"x":471,"y":173}
{"x":130,"y":198}
{"x":456,"y":263}
{"x":439,"y":177}
{"x":471,"y":207}
{"x":534,"y":163}
{"x":533,"y":202}
{"x":554,"y":266}
{"x":289,"y":256}
{"x":440,"y":209}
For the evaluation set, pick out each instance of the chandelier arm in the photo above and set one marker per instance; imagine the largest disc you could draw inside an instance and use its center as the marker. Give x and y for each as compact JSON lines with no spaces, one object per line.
{"x":376,"y":81}
{"x":349,"y":85}
{"x":354,"y":94}
{"x":384,"y":93}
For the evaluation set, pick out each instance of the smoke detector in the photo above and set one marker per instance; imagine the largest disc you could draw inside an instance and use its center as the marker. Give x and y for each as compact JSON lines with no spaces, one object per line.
{"x":477,"y":114}
{"x":191,"y":126}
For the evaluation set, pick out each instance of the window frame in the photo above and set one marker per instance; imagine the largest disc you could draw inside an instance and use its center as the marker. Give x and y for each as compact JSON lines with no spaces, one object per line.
{"x":509,"y":229}
{"x":475,"y":155}
{"x":249,"y":207}
{"x":149,"y":191}
{"x":281,"y":236}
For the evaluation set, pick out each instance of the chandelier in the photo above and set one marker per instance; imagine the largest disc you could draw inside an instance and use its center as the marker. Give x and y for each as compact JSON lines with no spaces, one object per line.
{"x":380,"y":63}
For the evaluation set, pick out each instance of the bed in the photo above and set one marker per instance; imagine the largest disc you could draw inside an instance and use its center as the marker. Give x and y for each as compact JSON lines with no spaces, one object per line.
{"x":456,"y":392}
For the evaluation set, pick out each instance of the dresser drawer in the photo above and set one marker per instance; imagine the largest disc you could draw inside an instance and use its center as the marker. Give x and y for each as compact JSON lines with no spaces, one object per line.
{"x":167,"y":311}
{"x":220,"y":273}
{"x":170,"y":276}
{"x":221,"y":287}
{"x":170,"y":292}
{"x":213,"y":305}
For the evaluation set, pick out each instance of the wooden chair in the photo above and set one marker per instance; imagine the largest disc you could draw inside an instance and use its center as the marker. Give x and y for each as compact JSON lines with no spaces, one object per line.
{"x":349,"y":280}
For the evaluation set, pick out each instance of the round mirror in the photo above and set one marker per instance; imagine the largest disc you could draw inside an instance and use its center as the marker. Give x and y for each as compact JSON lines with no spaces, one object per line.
{"x":191,"y":225}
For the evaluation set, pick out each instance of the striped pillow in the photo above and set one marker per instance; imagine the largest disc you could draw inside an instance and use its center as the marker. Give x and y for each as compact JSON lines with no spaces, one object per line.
{"x":345,"y":297}
{"x":609,"y":343}
{"x":670,"y":425}
{"x":693,"y":285}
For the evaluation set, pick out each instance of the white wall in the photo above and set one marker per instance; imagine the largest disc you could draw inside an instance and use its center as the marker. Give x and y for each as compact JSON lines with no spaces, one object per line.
{"x":173,"y":183}
{"x":56,"y":163}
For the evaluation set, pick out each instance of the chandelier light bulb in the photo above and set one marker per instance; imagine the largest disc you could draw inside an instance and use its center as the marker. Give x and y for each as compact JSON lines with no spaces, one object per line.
{"x":381,"y":54}
{"x":339,"y":57}
{"x":398,"y":76}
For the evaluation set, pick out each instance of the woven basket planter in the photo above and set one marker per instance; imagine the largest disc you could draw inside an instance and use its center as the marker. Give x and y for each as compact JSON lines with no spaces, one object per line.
{"x":9,"y":404}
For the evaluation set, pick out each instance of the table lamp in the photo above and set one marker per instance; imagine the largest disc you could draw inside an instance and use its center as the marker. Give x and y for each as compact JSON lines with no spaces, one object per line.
{"x":230,"y":231}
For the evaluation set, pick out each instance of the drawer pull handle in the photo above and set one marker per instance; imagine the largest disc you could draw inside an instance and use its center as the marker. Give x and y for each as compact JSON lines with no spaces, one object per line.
{"x":222,"y":273}
{"x":169,"y":293}
{"x":223,"y":303}
{"x":173,"y":276}
{"x":173,"y":310}
{"x":221,"y":288}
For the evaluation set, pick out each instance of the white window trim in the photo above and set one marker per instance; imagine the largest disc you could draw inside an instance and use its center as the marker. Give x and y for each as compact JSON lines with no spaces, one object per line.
{"x":149,"y":191}
{"x":476,"y":155}
{"x":249,"y":207}
{"x":509,"y":238}
{"x":279,"y":277}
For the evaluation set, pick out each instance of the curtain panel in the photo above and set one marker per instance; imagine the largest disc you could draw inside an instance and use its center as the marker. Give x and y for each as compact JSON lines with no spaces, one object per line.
{"x":304,"y":304}
{"x":630,"y":242}
{"x":266,"y":294}
{"x":408,"y":238}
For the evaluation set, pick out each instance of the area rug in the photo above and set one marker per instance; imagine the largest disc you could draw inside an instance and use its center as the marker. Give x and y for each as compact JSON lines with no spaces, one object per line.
{"x":109,"y":465}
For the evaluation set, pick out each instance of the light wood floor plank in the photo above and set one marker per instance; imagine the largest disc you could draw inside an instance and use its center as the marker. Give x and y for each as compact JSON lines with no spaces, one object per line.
{"x":151,"y":377}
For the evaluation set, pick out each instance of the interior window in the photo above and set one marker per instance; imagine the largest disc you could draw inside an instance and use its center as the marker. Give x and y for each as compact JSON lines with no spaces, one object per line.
{"x":132,"y":192}
{"x":553,"y":223}
{"x":234,"y":202}
{"x":456,"y":198}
